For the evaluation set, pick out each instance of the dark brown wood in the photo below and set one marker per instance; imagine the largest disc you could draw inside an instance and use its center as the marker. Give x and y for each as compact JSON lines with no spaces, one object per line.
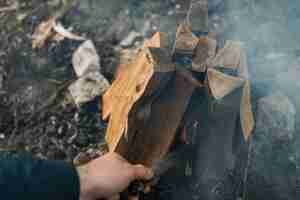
{"x":152,"y":140}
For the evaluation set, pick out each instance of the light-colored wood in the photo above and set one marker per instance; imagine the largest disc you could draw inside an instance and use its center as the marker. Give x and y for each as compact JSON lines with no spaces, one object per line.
{"x":221,"y":85}
{"x":158,"y":40}
{"x":246,"y":115}
{"x":140,"y":77}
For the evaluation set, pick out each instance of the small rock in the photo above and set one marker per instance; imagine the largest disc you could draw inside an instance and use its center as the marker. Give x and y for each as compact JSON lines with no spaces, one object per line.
{"x":60,"y":130}
{"x":276,"y":117}
{"x":130,"y":39}
{"x":93,"y":153}
{"x":76,"y":117}
{"x":85,"y":59}
{"x":72,"y":138}
{"x":53,"y":120}
{"x":2,"y":136}
{"x":88,"y":87}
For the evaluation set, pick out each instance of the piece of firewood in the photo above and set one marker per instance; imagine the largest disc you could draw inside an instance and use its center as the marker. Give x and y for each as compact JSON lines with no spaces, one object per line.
{"x":153,"y":139}
{"x":231,"y":56}
{"x":147,"y":73}
{"x":221,"y":85}
{"x":205,"y":50}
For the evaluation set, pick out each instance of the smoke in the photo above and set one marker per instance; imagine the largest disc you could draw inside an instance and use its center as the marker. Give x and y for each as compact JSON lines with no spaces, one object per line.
{"x":269,"y":30}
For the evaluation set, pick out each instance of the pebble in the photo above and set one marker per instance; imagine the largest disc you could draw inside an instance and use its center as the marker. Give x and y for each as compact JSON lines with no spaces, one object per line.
{"x":85,"y":59}
{"x":87,"y":87}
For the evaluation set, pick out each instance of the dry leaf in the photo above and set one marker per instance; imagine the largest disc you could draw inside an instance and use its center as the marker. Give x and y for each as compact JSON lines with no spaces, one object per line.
{"x":58,"y":28}
{"x":43,"y":32}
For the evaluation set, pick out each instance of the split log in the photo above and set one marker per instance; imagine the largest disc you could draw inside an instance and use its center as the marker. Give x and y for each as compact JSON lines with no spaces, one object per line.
{"x":153,"y":139}
{"x":144,"y":76}
{"x":232,"y":58}
{"x":221,"y":85}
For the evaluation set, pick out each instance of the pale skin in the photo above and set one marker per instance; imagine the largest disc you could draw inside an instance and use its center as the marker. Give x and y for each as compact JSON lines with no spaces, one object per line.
{"x":107,"y":176}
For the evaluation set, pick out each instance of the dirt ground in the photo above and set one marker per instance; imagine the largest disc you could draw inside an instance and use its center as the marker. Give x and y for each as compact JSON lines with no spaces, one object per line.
{"x":32,"y":122}
{"x":33,"y":76}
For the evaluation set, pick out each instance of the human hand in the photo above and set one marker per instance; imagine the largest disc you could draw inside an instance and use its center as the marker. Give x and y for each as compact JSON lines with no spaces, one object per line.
{"x":109,"y":175}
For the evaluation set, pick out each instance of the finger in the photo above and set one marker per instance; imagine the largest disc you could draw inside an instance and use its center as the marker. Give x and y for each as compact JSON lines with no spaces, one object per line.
{"x":142,"y":173}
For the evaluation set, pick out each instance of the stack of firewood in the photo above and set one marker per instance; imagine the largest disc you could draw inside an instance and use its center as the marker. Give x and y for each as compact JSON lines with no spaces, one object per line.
{"x":147,"y":103}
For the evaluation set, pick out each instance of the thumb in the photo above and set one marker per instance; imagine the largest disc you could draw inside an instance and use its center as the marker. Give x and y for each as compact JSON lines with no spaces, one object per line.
{"x":142,"y":173}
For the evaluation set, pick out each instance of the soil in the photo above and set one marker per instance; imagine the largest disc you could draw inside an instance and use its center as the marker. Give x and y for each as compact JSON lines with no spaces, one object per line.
{"x":32,"y":77}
